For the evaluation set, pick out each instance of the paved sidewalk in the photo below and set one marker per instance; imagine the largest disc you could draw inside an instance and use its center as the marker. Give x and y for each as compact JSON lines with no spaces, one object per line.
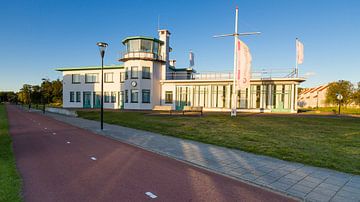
{"x":305,"y":182}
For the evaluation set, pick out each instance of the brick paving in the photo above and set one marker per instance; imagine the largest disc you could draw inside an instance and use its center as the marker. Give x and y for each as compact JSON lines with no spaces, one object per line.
{"x":294,"y":179}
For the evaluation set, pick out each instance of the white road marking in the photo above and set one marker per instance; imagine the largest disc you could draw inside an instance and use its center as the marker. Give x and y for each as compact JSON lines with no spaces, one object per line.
{"x":45,"y":128}
{"x":67,"y":142}
{"x":151,"y":195}
{"x":54,"y":133}
{"x":93,"y":158}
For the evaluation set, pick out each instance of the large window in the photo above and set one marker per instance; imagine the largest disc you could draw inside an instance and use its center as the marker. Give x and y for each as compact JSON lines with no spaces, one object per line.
{"x":109,"y":77}
{"x":146,"y":72}
{"x":126,"y":96}
{"x":134,"y":96}
{"x":106,"y":97}
{"x":75,"y":78}
{"x":134,"y":72}
{"x":72,"y":96}
{"x":91,"y":78}
{"x":134,"y":45}
{"x":113,"y":97}
{"x":146,"y":46}
{"x":78,"y":96}
{"x":122,"y":77}
{"x":156,"y":48}
{"x":145,"y":96}
{"x":168,"y":97}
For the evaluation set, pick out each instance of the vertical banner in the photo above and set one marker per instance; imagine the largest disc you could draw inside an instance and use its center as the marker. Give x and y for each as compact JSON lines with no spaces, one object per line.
{"x":299,"y":52}
{"x":243,"y":67}
{"x":191,"y":58}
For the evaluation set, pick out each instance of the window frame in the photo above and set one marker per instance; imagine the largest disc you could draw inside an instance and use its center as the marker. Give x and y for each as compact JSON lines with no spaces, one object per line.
{"x":78,"y":96}
{"x":142,"y":96}
{"x":122,"y":77}
{"x":96,"y":78}
{"x":72,"y":96}
{"x":106,"y":97}
{"x":126,"y":96}
{"x":143,"y":75}
{"x":172,"y":97}
{"x":113,"y":97}
{"x":112,"y":77}
{"x":133,"y":91}
{"x":132,"y":72}
{"x":72,"y":79}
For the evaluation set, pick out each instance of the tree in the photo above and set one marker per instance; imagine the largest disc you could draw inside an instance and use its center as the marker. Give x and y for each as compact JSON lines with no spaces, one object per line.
{"x":345,"y":88}
{"x":356,"y":95}
{"x":57,"y":88}
{"x":24,"y":94}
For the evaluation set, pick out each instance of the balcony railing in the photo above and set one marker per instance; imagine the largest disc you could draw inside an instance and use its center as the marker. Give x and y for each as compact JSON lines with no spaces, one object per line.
{"x":258,"y":74}
{"x":139,"y":55}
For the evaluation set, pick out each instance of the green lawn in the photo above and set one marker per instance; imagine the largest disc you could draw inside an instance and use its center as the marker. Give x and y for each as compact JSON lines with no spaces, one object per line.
{"x":334,"y":110}
{"x":10,"y":182}
{"x":331,"y":142}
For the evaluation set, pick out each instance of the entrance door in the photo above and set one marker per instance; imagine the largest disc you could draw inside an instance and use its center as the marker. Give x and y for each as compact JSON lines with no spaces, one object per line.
{"x":87,"y":100}
{"x":121,"y":99}
{"x":97,"y":100}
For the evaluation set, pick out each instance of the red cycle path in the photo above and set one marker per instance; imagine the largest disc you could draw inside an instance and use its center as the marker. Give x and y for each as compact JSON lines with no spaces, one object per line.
{"x":54,"y":160}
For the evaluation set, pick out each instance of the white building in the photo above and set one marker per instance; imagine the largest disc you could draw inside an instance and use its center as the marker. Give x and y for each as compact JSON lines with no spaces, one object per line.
{"x":148,"y":78}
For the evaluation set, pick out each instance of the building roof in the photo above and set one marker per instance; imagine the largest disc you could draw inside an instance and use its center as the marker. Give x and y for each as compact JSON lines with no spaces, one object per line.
{"x":141,"y":37}
{"x":182,"y":69}
{"x":61,"y":69}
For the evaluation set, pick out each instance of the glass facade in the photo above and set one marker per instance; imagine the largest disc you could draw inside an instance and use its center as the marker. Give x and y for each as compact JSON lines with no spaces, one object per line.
{"x":274,"y":97}
{"x":143,"y":45}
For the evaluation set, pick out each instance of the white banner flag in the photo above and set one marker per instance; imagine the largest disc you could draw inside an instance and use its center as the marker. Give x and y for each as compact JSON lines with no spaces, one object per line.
{"x":243,"y":67}
{"x":299,"y":52}
{"x":192,"y":59}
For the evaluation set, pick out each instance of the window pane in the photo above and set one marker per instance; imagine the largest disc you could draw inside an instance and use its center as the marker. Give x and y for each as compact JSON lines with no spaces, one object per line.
{"x":156,"y":48}
{"x":134,"y":96}
{"x":146,"y":46}
{"x":168,"y":97}
{"x":122,"y":77}
{"x":126,"y":96}
{"x":134,"y":45}
{"x":109,"y":77}
{"x":91,"y":78}
{"x":78,"y":96}
{"x":126,"y":74}
{"x":106,"y":97}
{"x":76,"y":78}
{"x":113,"y":97}
{"x":146,"y":96}
{"x":146,"y":72}
{"x":134,"y":72}
{"x":72,"y":96}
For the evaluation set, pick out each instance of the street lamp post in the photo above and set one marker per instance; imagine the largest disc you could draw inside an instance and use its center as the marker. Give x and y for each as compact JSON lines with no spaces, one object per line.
{"x":102,"y":47}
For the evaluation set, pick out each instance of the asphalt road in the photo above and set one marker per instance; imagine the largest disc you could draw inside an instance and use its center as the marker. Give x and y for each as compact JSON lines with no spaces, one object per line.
{"x":60,"y":162}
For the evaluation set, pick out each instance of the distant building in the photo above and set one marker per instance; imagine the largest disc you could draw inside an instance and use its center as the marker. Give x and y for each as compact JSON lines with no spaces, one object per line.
{"x":313,"y":97}
{"x":149,"y":78}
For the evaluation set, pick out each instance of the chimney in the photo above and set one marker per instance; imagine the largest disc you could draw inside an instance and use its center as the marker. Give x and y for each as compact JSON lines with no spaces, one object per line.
{"x":172,"y":63}
{"x":164,"y":35}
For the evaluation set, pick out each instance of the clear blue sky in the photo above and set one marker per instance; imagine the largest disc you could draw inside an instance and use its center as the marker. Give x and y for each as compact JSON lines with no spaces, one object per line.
{"x":39,"y":35}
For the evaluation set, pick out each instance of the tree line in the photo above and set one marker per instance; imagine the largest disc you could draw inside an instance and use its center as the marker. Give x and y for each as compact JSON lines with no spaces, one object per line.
{"x":350,"y":93}
{"x":48,"y":92}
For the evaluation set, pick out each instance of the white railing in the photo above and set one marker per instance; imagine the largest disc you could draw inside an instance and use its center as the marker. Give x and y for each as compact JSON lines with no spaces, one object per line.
{"x":258,"y":74}
{"x":140,"y":55}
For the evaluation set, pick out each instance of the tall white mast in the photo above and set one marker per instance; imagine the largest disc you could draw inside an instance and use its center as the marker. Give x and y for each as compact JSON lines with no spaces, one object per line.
{"x":236,"y":35}
{"x":236,"y":38}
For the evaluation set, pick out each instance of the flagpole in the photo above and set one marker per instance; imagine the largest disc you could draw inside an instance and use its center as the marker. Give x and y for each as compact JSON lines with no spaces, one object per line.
{"x":296,"y":66}
{"x":236,"y":37}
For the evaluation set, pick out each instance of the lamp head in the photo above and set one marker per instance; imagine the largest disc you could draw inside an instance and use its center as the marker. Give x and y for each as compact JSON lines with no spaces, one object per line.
{"x":102,"y":47}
